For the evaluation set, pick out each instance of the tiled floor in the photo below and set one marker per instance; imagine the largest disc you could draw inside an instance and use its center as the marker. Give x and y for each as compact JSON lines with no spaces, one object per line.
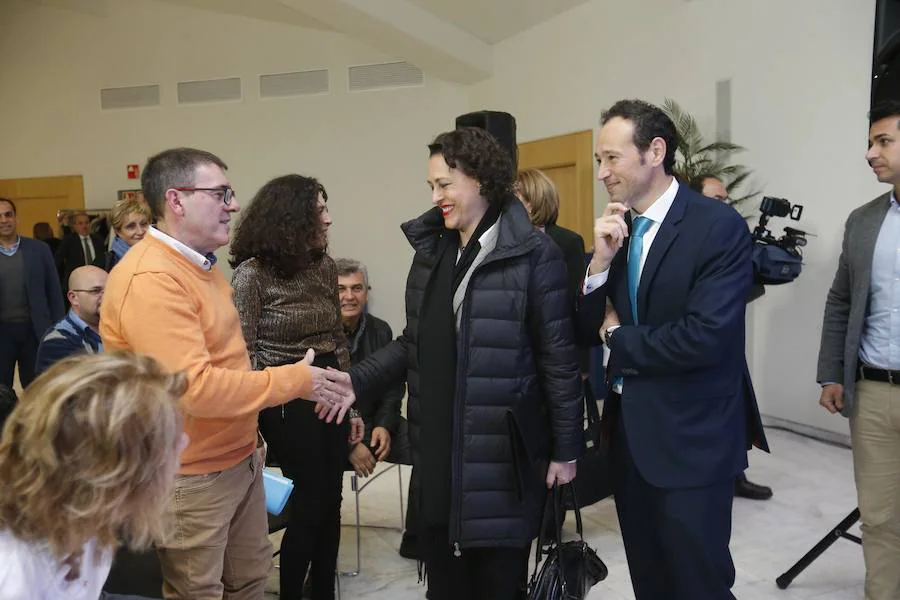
{"x":813,"y":485}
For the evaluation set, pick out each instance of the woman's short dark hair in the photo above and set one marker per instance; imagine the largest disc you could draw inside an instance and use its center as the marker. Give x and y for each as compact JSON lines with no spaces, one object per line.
{"x":480,"y":156}
{"x":280,"y":225}
{"x":650,"y":122}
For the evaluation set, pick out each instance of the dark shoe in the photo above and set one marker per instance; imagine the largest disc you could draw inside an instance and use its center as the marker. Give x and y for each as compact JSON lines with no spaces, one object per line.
{"x":750,"y":490}
{"x":409,"y":547}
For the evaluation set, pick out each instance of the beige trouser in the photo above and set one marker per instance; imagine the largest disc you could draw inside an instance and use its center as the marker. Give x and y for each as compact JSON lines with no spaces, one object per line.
{"x":217,"y":543}
{"x":875,"y":435}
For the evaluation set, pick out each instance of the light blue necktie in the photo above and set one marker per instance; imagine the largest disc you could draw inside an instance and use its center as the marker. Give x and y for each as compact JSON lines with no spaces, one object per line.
{"x":638,"y":228}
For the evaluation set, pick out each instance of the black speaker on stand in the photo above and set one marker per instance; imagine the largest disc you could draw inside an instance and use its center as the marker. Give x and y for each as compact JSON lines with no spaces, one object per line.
{"x":501,"y":125}
{"x":886,"y":52}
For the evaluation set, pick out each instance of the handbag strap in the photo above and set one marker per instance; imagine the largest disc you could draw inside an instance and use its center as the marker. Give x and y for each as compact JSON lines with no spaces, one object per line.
{"x":590,"y":404}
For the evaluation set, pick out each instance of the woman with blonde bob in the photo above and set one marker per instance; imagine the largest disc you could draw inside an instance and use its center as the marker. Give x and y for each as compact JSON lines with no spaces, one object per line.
{"x":538,"y":193}
{"x":130,"y":219}
{"x":87,"y":460}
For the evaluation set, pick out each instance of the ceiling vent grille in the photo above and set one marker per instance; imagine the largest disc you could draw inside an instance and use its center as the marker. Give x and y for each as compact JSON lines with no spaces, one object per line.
{"x":210,"y":90}
{"x":301,"y":83}
{"x":385,"y":76}
{"x":138,"y":96}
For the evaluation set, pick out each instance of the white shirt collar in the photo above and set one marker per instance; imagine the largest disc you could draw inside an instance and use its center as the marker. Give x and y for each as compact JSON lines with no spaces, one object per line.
{"x":204,"y":262}
{"x":489,"y":232}
{"x":659,"y":209}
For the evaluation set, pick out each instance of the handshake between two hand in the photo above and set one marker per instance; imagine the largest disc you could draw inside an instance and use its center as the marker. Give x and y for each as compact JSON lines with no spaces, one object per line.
{"x":332,"y":390}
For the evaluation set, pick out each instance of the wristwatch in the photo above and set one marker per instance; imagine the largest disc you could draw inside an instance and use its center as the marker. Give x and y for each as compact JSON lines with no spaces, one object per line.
{"x":353,"y":413}
{"x":608,"y":334}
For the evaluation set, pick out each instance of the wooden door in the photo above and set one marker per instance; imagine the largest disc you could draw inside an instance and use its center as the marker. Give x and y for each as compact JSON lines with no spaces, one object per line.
{"x":39,"y":198}
{"x":568,"y":160}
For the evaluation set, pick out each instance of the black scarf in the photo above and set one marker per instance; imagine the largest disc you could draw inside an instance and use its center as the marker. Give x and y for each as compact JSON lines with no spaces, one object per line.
{"x":437,"y":371}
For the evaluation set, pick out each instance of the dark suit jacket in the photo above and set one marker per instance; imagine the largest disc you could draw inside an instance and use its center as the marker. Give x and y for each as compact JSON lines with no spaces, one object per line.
{"x":572,"y":246}
{"x":45,"y":299}
{"x":848,"y":299}
{"x":70,"y":256}
{"x":687,"y":404}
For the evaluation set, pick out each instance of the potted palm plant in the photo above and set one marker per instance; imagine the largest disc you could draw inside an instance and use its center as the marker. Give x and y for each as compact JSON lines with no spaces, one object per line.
{"x":695,"y":157}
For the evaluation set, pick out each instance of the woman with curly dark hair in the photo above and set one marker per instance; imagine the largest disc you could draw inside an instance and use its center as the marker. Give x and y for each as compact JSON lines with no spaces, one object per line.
{"x":494,"y":388}
{"x":285,"y":290}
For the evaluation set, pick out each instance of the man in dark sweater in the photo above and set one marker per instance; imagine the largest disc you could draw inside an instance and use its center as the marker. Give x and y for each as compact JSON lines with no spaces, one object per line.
{"x":30,"y":298}
{"x":387,"y":433}
{"x":78,"y":331}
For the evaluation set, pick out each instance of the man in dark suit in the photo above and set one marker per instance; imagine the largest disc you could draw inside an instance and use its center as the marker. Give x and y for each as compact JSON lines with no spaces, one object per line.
{"x":675,"y":266}
{"x":859,"y":364}
{"x":30,"y":298}
{"x":79,"y":248}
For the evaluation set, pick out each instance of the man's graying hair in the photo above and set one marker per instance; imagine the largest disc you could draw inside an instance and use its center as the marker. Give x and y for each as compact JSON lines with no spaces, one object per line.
{"x":348,"y":266}
{"x":170,"y":169}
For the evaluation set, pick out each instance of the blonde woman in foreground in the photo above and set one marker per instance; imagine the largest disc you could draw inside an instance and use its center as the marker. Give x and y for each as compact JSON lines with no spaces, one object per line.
{"x":87,"y":461}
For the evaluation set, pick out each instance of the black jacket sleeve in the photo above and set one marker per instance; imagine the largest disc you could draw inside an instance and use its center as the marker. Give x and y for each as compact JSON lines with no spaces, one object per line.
{"x":555,"y":353}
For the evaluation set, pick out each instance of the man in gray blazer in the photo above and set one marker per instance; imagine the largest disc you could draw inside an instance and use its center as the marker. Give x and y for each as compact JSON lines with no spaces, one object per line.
{"x":859,"y":358}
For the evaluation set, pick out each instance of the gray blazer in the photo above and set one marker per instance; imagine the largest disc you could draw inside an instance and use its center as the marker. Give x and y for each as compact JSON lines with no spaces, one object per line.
{"x":848,"y":299}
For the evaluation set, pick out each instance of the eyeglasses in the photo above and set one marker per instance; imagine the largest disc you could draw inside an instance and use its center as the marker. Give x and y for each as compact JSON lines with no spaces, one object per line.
{"x":94,"y":291}
{"x":225,"y":194}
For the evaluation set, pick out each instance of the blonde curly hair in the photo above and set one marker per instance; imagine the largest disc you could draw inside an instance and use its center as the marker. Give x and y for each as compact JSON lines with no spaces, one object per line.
{"x":90,"y":452}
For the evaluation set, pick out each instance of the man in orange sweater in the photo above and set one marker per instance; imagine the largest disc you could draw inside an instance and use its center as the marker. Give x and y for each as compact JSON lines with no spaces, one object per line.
{"x":168,"y":299}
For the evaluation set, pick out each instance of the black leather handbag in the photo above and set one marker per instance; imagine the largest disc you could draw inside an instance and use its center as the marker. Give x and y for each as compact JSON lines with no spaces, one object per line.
{"x":569,"y":569}
{"x":594,"y":479}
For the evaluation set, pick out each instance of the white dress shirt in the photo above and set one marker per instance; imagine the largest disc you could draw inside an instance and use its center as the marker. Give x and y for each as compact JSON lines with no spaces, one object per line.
{"x":87,"y":242}
{"x":204,"y":262}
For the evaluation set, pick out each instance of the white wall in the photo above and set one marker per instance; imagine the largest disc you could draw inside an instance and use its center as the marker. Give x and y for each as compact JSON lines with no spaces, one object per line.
{"x":367,"y":148}
{"x":800,"y":82}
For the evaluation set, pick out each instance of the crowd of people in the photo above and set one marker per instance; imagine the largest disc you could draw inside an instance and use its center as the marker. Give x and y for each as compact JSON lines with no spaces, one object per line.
{"x":152,"y":406}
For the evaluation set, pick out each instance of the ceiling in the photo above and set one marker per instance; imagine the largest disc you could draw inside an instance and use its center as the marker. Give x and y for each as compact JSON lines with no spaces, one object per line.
{"x":493,"y":21}
{"x":451,"y":39}
{"x":490,"y":21}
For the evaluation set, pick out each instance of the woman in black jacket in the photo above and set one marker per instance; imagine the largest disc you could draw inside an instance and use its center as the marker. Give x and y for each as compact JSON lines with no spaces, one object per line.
{"x":490,"y":359}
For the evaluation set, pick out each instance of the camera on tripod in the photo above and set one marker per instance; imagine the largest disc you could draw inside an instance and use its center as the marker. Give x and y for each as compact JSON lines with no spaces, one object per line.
{"x":777,"y":260}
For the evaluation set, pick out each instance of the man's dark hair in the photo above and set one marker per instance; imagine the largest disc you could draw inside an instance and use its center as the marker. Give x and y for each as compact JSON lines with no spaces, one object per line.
{"x":650,"y":122}
{"x":479,"y":155}
{"x":696,"y":182}
{"x":170,"y":169}
{"x":280,"y":226}
{"x":883,"y":110}
{"x":11,"y":203}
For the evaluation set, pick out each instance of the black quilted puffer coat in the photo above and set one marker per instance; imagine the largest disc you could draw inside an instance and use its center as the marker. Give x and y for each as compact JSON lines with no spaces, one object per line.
{"x":518,"y":389}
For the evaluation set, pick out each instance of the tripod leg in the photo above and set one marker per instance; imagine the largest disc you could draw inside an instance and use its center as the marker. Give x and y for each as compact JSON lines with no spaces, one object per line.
{"x":839,"y":531}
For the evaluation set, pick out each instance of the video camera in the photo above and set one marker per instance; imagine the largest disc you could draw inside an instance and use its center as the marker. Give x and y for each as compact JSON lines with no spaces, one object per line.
{"x":777,"y":260}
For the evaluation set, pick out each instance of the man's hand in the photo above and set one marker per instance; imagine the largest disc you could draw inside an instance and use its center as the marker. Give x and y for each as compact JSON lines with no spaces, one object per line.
{"x":832,"y":398}
{"x":381,"y":443}
{"x":362,"y":460}
{"x":561,"y":473}
{"x":332,"y":390}
{"x":610,"y":231}
{"x":357,"y":430}
{"x":611,"y":319}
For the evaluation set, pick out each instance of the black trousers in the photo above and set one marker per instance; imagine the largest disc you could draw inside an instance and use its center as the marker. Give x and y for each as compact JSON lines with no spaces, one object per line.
{"x":676,"y":540}
{"x":17,"y":345}
{"x":313,"y":454}
{"x":477,"y":574}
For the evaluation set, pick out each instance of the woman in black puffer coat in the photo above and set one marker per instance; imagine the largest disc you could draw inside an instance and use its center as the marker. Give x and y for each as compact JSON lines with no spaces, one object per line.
{"x":494,"y":387}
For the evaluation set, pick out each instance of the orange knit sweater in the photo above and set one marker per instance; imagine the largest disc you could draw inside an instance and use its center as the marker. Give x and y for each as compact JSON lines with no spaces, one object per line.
{"x":160,"y":304}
